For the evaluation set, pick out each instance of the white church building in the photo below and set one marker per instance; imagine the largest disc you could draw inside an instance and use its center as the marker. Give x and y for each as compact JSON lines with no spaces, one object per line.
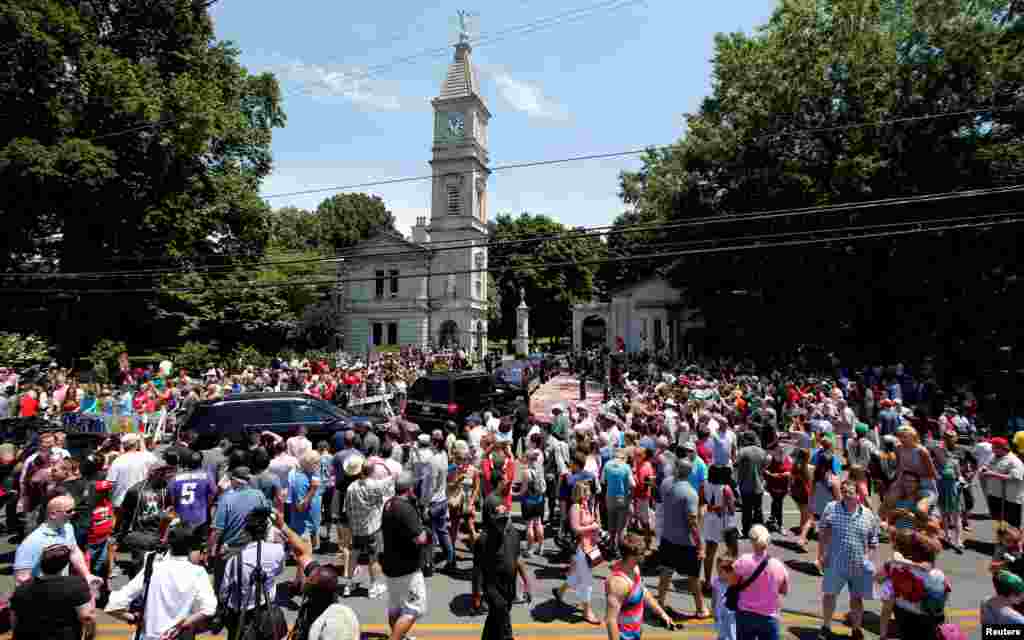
{"x":430,"y":290}
{"x":650,"y":315}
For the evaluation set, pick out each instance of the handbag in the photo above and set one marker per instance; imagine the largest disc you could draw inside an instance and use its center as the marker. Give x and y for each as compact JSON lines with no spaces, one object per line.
{"x":732,"y":593}
{"x":593,"y":556}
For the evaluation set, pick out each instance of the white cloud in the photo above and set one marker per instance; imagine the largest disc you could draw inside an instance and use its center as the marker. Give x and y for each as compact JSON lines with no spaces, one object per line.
{"x":405,"y":217}
{"x":527,"y":97}
{"x":350,"y":83}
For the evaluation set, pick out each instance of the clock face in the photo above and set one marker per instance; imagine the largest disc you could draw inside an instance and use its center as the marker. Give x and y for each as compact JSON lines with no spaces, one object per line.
{"x":456,"y":125}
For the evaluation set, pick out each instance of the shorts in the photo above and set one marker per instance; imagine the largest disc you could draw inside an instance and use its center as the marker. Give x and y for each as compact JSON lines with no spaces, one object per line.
{"x":344,"y":537}
{"x":680,"y":558}
{"x":618,"y":512}
{"x":368,"y":548}
{"x":407,"y":596}
{"x":644,"y":513}
{"x":862,"y":586}
{"x":533,"y":511}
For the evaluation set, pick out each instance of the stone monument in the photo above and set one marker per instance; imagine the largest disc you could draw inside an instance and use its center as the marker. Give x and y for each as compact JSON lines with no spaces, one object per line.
{"x":523,"y":324}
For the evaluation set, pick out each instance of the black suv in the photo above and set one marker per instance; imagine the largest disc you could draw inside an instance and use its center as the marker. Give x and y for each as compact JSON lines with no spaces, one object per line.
{"x":440,"y":397}
{"x":235,"y":416}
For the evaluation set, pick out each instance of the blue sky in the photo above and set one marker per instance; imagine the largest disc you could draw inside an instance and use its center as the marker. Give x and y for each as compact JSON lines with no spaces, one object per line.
{"x":615,"y":79}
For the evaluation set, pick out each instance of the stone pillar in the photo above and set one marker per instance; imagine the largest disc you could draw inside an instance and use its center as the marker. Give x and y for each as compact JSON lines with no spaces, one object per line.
{"x":523,"y":328}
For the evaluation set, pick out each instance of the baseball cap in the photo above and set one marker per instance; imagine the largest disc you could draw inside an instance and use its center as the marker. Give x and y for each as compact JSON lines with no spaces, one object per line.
{"x":999,"y":442}
{"x":423,"y":440}
{"x":354,"y":465}
{"x":862,"y":429}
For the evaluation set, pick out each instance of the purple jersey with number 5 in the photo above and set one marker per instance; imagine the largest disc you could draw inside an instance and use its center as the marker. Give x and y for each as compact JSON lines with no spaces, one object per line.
{"x":192,"y":492}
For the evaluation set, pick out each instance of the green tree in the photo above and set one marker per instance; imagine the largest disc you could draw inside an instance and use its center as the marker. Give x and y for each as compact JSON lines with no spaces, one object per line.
{"x":17,"y":349}
{"x":549,"y":290}
{"x":348,"y":218}
{"x":130,"y":133}
{"x":783,"y":128}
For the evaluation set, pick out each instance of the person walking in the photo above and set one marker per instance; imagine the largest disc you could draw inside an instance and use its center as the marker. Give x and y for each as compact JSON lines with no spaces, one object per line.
{"x":496,"y":565}
{"x":585,"y":525}
{"x":682,"y":547}
{"x":750,"y":464}
{"x":762,"y":581}
{"x":627,"y":596}
{"x":618,"y":483}
{"x":848,"y":533}
{"x":404,"y":537}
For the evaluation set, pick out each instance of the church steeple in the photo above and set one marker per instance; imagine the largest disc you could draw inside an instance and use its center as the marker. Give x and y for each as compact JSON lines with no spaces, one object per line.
{"x":460,"y":159}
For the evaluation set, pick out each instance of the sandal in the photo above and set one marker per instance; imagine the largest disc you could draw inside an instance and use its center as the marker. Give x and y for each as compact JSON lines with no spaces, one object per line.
{"x":593,"y":621}
{"x":702,"y":615}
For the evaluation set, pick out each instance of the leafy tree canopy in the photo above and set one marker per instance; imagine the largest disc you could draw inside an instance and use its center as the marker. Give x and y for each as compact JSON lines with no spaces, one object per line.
{"x":549,"y":290}
{"x":130,"y":133}
{"x":783,"y":127}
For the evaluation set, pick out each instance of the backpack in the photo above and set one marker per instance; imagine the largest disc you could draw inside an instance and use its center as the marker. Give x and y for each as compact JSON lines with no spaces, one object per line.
{"x":533,"y":487}
{"x":266,"y":621}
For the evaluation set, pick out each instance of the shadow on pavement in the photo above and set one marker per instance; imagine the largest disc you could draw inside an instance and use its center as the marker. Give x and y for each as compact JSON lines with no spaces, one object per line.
{"x":805,"y":567}
{"x":554,"y":611}
{"x":984,"y":548}
{"x":461,"y":606}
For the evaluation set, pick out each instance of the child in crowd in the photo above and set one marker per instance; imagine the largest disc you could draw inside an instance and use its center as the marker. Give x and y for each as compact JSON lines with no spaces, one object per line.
{"x":725,"y":618}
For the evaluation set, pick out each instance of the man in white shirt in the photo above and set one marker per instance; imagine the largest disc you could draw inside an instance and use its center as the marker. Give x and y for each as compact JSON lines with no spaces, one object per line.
{"x":180,"y":597}
{"x":130,"y":468}
{"x":491,"y":423}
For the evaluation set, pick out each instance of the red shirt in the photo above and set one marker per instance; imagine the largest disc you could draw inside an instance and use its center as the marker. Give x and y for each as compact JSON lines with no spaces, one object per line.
{"x":775,"y":485}
{"x":102,"y":521}
{"x":644,"y":475}
{"x":489,"y":484}
{"x":704,"y":451}
{"x":29,"y":406}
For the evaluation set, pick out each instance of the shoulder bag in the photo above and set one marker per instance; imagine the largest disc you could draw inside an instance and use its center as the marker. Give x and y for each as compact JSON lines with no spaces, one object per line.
{"x":138,"y":606}
{"x":732,"y":594}
{"x":266,"y":621}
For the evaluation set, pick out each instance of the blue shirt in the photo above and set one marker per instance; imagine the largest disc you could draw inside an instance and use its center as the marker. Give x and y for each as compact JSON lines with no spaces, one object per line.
{"x":570,"y":483}
{"x":699,"y":473}
{"x":837,"y":465}
{"x":232,"y":510}
{"x":298,"y":486}
{"x":616,"y":478}
{"x":30,"y":551}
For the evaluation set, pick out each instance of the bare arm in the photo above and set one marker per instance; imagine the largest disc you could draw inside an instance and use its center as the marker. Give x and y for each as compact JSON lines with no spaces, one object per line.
{"x":79,"y":565}
{"x":615,"y":596}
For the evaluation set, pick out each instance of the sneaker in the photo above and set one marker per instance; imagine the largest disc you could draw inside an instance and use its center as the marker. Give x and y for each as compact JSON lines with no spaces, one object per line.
{"x":346,"y":591}
{"x":527,"y":553}
{"x":376,"y":591}
{"x":824,"y":633}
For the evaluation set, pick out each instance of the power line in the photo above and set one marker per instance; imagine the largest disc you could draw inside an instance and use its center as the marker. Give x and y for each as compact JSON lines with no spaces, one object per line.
{"x":633,"y":152}
{"x":597,"y":231}
{"x":573,"y":15}
{"x":1012,"y":218}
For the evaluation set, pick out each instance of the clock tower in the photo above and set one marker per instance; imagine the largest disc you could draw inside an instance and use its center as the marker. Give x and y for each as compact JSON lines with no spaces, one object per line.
{"x":460,"y":160}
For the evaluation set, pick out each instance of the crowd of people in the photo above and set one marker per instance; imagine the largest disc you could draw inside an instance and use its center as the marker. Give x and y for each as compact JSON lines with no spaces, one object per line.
{"x":670,"y":474}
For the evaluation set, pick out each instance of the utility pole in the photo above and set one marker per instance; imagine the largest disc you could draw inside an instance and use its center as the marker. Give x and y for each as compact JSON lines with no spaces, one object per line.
{"x":430,"y":303}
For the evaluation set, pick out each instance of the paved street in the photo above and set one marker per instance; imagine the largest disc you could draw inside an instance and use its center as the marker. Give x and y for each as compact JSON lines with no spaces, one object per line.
{"x":449,"y":599}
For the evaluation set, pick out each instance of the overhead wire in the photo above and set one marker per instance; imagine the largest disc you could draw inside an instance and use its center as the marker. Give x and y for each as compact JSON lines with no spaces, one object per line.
{"x":1015,"y":217}
{"x":573,"y":15}
{"x":596,"y":232}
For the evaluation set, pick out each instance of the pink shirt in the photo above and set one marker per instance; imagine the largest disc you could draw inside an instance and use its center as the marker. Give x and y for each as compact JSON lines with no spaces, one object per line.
{"x":761,"y":597}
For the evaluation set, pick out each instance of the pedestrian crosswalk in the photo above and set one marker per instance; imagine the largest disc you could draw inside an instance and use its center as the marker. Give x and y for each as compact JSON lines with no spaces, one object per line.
{"x":796,"y":625}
